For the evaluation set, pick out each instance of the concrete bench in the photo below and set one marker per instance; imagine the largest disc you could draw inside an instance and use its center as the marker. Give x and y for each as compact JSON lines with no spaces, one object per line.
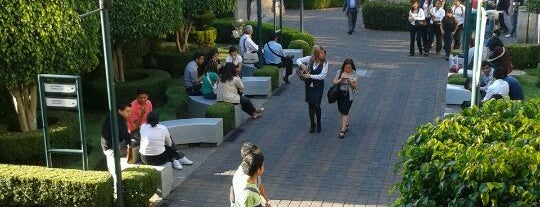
{"x":196,"y":130}
{"x":297,"y":53}
{"x":247,"y":70}
{"x":166,"y":176}
{"x":456,"y":94}
{"x":257,"y":86}
{"x":197,"y":106}
{"x":239,"y":116}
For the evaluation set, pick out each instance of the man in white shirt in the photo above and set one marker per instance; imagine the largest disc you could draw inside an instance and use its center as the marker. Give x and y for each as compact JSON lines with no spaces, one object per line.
{"x":350,"y":8}
{"x":246,"y":44}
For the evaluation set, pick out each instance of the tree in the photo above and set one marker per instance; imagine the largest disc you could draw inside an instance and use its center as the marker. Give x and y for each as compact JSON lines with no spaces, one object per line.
{"x":136,"y":19}
{"x":40,"y":36}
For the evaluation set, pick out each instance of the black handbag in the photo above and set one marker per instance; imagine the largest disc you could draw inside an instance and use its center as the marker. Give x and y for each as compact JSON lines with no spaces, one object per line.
{"x":333,"y":93}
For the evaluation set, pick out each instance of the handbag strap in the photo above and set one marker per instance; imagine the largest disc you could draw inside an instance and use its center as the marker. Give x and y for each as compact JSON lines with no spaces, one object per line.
{"x":209,"y":81}
{"x":268,"y":45}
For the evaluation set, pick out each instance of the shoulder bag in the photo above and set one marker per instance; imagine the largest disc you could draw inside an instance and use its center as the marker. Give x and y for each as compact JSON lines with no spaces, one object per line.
{"x":250,"y":57}
{"x":214,"y":85}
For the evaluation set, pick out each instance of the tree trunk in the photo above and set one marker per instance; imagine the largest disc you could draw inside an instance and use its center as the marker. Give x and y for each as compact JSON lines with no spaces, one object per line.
{"x":25,"y":103}
{"x":178,"y":46}
{"x":183,"y":35}
{"x":118,"y":65}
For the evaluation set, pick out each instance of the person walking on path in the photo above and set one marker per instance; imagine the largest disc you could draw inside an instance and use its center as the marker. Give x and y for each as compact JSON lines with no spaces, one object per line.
{"x":416,"y":17}
{"x":437,"y":14}
{"x":448,"y":29}
{"x":348,"y":81}
{"x":313,"y":70}
{"x":350,"y":8}
{"x":240,"y":178}
{"x":459,"y":13}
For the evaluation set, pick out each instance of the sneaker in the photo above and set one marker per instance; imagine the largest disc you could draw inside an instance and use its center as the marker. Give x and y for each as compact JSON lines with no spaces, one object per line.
{"x":256,"y":115}
{"x":508,"y":35}
{"x":185,"y":161}
{"x":260,"y":110}
{"x":177,"y":165}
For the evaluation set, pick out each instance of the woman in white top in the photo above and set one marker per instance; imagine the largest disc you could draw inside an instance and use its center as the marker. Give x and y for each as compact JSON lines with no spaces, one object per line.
{"x":348,"y":81}
{"x":459,"y":13}
{"x":229,"y":88}
{"x":235,"y":58}
{"x":437,"y":13}
{"x":313,"y":69}
{"x":499,"y":86}
{"x":416,"y":16}
{"x":156,"y":145}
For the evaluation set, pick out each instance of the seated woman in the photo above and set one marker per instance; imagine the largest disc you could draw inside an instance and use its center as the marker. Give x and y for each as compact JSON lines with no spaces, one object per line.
{"x":156,"y":146}
{"x":229,"y":88}
{"x":234,"y":57}
{"x":210,"y":77}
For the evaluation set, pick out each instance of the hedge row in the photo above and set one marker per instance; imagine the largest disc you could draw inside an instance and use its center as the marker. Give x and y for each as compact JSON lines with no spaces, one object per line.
{"x":479,"y":157}
{"x":300,"y":44}
{"x":139,"y":184}
{"x":524,"y":55}
{"x":313,"y":4}
{"x":225,"y":28}
{"x":385,"y":15}
{"x":205,"y":38}
{"x":153,"y":81}
{"x":28,"y":148}
{"x":456,"y":79}
{"x":222,"y":110}
{"x":269,"y":71}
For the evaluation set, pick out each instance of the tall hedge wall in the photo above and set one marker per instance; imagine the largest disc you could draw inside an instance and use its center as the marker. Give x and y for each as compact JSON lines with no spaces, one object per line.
{"x":524,"y":56}
{"x":479,"y":157}
{"x":313,"y":4}
{"x":385,"y":15}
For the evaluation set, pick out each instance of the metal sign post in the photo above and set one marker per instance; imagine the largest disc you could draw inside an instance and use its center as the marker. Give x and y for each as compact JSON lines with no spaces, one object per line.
{"x":61,"y":92}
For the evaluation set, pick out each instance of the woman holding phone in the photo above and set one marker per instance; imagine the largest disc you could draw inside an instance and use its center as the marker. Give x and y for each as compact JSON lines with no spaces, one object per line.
{"x":313,"y":71}
{"x":347,"y":79}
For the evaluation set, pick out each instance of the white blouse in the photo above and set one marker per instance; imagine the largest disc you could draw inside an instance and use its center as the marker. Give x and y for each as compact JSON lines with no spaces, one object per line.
{"x":498,"y":86}
{"x":235,"y":61}
{"x":154,"y":139}
{"x":418,"y":16}
{"x":438,"y":14}
{"x":306,"y":60}
{"x":459,"y":13}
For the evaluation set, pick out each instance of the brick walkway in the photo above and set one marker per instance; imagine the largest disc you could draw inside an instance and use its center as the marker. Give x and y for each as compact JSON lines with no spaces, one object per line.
{"x":302,"y":169}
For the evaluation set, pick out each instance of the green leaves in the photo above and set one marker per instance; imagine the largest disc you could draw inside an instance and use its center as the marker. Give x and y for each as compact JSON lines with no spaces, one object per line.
{"x":480,"y":157}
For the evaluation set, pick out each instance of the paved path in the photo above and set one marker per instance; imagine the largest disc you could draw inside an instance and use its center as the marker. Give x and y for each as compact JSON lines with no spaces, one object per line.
{"x":302,"y":169}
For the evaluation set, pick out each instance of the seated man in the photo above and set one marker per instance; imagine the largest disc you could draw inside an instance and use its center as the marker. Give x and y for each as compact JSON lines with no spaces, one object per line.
{"x":486,"y":76}
{"x":192,"y":81}
{"x":140,"y":107}
{"x":273,"y":55}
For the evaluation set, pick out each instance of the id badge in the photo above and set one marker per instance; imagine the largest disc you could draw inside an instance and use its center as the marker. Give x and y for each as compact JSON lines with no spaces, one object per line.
{"x":311,"y":85}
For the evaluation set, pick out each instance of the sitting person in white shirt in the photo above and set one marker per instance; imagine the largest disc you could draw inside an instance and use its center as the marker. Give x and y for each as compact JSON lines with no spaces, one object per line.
{"x":246,"y":43}
{"x":235,"y":58}
{"x":156,"y":146}
{"x":499,"y":86}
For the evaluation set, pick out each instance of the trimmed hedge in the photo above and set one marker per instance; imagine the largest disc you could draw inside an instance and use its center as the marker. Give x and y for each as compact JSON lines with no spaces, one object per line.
{"x":269,"y":71}
{"x":153,"y":81}
{"x":314,"y":4}
{"x":139,"y":184}
{"x":205,"y":38}
{"x":385,"y":15}
{"x":524,"y":55}
{"x":177,"y":99}
{"x":300,"y":44}
{"x":7,"y":111}
{"x":27,"y":147}
{"x":173,"y":62}
{"x":225,"y":28}
{"x":479,"y":157}
{"x":40,"y":186}
{"x":222,"y":110}
{"x":456,"y":79}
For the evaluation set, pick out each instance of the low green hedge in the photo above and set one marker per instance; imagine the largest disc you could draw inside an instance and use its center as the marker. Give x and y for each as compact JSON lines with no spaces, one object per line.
{"x":177,"y":99}
{"x":300,"y":44}
{"x":222,"y":110}
{"x":314,"y":4}
{"x":139,"y":185}
{"x":225,"y":28}
{"x":205,"y":38}
{"x":479,"y":157}
{"x":385,"y":15}
{"x":173,"y":62}
{"x":39,"y":186}
{"x":27,"y":147}
{"x":456,"y":79}
{"x":269,"y":71}
{"x":153,"y":81}
{"x":524,"y":55}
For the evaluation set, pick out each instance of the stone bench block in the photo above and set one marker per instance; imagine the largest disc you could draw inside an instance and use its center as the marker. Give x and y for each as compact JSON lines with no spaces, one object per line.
{"x":196,"y":130}
{"x":197,"y":106}
{"x":247,"y":70}
{"x":297,"y":53}
{"x":456,"y":94}
{"x":165,"y":171}
{"x":257,"y":86}
{"x":239,"y":116}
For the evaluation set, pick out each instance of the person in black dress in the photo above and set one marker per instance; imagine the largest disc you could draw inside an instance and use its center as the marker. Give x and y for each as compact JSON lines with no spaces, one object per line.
{"x":313,"y":70}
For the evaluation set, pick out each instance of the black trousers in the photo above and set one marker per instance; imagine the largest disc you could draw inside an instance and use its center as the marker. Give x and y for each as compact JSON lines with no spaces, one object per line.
{"x":457,"y":37}
{"x":168,"y":155}
{"x":352,"y":16}
{"x":436,"y":28}
{"x":416,"y":33}
{"x":447,"y":43}
{"x":247,"y":106}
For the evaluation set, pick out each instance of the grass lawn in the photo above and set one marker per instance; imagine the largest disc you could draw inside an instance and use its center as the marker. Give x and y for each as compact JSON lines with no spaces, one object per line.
{"x":528,"y":83}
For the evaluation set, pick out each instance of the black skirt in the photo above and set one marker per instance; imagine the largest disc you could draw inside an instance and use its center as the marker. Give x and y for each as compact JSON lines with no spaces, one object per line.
{"x":314,"y":94}
{"x":344,"y":103}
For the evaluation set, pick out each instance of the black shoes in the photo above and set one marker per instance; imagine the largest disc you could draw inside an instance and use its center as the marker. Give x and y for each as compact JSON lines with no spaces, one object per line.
{"x":312,"y":129}
{"x":349,"y":32}
{"x":286,"y":80}
{"x":341,"y":134}
{"x":318,"y":128}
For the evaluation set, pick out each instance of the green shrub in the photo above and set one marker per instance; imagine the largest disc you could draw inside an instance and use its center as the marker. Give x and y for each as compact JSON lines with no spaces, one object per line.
{"x":222,"y":110}
{"x":456,"y":79}
{"x":177,"y":100}
{"x":139,"y":184}
{"x":300,"y":44}
{"x":524,"y":55}
{"x":39,"y":186}
{"x":202,"y":20}
{"x":173,"y":61}
{"x":223,"y":8}
{"x":7,"y":111}
{"x":28,"y":148}
{"x":153,"y":81}
{"x":205,"y":38}
{"x":224,"y":28}
{"x":479,"y":157}
{"x":385,"y":15}
{"x":314,"y":4}
{"x":269,"y":71}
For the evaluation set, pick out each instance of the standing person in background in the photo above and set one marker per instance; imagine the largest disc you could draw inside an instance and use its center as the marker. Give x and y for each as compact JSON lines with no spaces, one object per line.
{"x":448,"y":29}
{"x":140,"y":107}
{"x":351,"y":8}
{"x":416,"y":14}
{"x":515,"y":10}
{"x":437,"y":14}
{"x":502,"y":7}
{"x":348,"y":81}
{"x":313,"y":70}
{"x":427,"y":38}
{"x":273,"y":55}
{"x":192,"y":80}
{"x":458,"y":11}
{"x":235,"y":58}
